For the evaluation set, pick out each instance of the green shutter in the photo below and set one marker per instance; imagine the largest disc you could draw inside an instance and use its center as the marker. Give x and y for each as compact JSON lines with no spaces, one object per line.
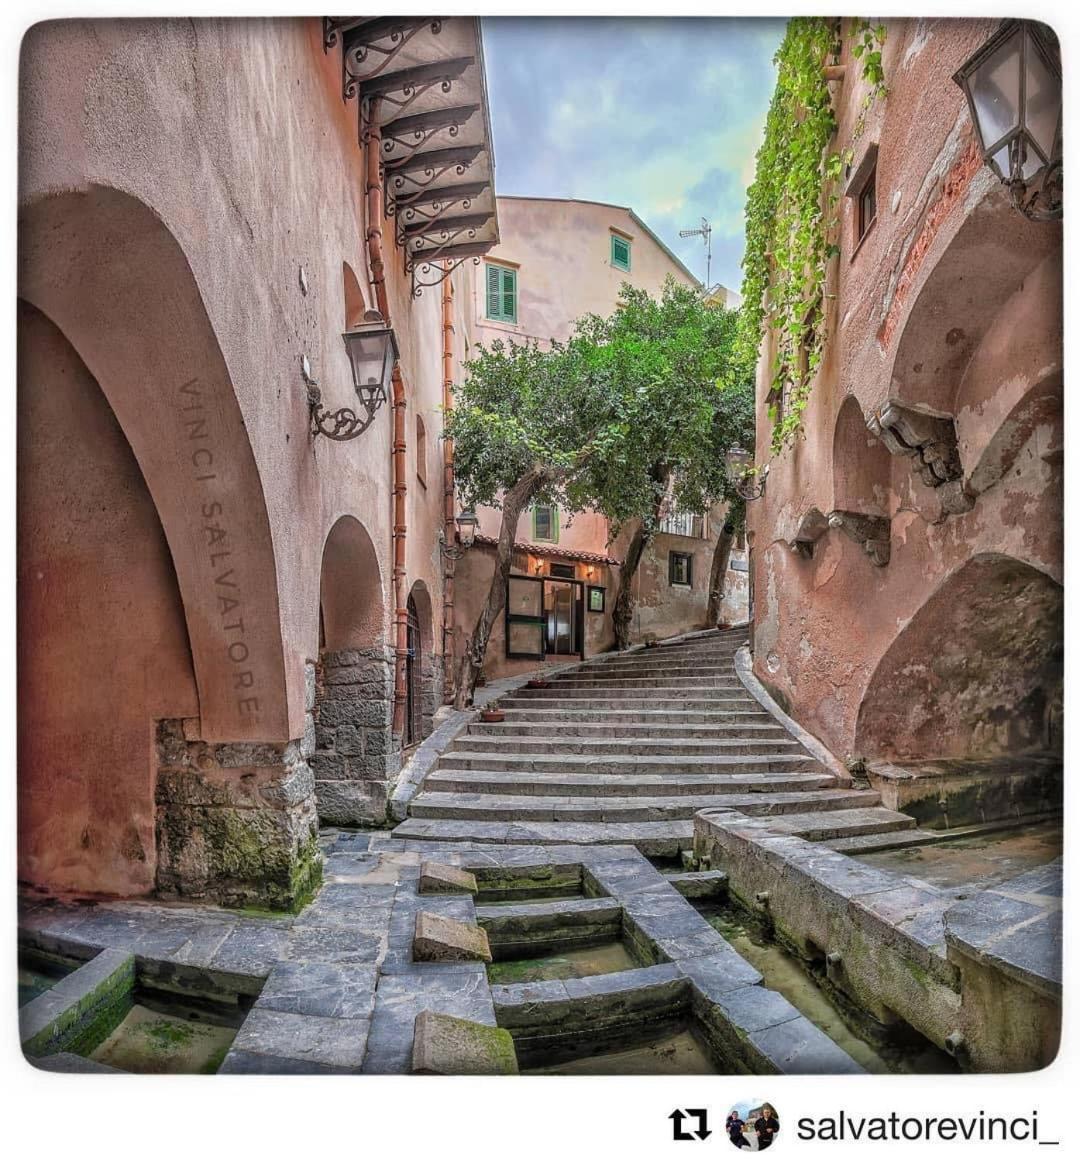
{"x":509,"y":295}
{"x":493,"y":296}
{"x":620,"y":252}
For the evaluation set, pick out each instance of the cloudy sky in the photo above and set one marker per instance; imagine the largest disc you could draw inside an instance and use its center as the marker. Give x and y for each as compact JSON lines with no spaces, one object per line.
{"x":664,"y":116}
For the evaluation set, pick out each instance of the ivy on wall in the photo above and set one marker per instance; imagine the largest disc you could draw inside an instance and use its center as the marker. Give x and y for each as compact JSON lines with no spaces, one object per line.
{"x":791,"y":211}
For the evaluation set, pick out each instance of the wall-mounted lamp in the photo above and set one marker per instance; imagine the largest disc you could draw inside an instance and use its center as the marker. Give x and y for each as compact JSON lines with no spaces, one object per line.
{"x":372,"y":351}
{"x":749,"y":483}
{"x":466,"y":534}
{"x":1013,"y":89}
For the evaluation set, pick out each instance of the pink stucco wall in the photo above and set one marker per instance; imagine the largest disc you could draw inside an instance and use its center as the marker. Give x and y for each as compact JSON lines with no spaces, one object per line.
{"x":175,"y":179}
{"x":952,"y":303}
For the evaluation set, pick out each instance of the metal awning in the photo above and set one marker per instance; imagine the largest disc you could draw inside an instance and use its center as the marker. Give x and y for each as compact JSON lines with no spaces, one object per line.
{"x":421,"y":81}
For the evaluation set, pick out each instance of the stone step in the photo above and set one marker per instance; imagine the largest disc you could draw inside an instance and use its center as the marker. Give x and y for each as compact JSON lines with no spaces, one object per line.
{"x":880,"y":841}
{"x":600,"y":730}
{"x":515,"y":782}
{"x":628,"y":764}
{"x":664,"y":719}
{"x":643,"y":670}
{"x":614,"y":700}
{"x":629,"y":744}
{"x":718,"y":681}
{"x":828,"y":825}
{"x":626,"y":809}
{"x":663,"y":839}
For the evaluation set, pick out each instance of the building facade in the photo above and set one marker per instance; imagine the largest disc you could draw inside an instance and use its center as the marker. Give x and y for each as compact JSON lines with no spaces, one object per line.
{"x":230,"y":627}
{"x":557,"y":260}
{"x":907,"y":553}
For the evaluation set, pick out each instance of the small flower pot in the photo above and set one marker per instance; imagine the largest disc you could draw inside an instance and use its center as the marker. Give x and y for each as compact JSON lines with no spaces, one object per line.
{"x":492,"y":715}
{"x":538,"y":683}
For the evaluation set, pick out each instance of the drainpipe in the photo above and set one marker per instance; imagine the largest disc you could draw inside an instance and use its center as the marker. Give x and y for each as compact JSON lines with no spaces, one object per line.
{"x":449,"y":530}
{"x":372,"y":145}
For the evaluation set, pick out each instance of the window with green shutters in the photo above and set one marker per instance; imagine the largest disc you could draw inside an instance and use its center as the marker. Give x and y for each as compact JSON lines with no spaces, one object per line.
{"x":545,"y":523}
{"x":501,"y":293}
{"x":620,"y":252}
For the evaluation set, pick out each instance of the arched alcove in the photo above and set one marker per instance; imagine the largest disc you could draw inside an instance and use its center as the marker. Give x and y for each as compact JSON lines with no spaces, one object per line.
{"x":103,"y":647}
{"x":961,"y":297}
{"x":350,"y":589}
{"x":355,"y":755}
{"x":421,"y":679}
{"x":975,"y":673}
{"x":861,"y":464}
{"x":1038,"y":413}
{"x":111,"y":276}
{"x":355,"y":306}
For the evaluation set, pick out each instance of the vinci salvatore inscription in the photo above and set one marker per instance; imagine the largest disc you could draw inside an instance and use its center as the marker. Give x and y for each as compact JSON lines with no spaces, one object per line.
{"x":218,"y":545}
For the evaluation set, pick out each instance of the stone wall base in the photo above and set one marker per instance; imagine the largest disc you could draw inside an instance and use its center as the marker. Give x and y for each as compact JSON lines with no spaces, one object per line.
{"x":236,"y":822}
{"x":356,"y":757}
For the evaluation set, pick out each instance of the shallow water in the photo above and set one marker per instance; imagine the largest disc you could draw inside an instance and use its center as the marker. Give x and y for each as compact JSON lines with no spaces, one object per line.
{"x":36,"y":977}
{"x":146,"y":1041}
{"x":786,"y":975}
{"x":676,"y":1053}
{"x":612,"y":956}
{"x":978,"y":862}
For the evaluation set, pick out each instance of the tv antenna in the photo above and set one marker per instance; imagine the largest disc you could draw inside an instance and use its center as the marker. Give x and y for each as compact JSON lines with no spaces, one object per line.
{"x":705,"y":232}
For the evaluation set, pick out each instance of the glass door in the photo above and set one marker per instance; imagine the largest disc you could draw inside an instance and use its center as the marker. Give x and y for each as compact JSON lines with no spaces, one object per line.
{"x":525,"y":617}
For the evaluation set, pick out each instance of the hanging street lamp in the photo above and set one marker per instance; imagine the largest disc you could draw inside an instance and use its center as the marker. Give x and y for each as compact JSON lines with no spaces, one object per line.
{"x":1013,"y":88}
{"x":466,"y":530}
{"x":749,"y":483}
{"x":372,"y":351}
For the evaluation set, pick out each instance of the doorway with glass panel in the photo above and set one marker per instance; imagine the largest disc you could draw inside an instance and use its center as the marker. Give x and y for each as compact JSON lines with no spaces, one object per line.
{"x":544,"y":617}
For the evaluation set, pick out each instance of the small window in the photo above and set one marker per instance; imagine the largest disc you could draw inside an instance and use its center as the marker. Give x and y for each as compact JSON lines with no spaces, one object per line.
{"x":501,"y":293}
{"x":620,"y":252}
{"x":867,"y":208}
{"x":680,"y":569}
{"x":545,"y":523}
{"x":421,"y":451}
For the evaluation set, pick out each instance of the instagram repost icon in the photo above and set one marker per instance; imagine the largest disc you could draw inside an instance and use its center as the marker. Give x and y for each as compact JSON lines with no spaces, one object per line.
{"x":752,"y":1125}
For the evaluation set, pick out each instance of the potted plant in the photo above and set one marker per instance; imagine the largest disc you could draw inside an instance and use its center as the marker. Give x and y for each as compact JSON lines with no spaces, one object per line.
{"x":540,"y":683}
{"x":492,"y":712}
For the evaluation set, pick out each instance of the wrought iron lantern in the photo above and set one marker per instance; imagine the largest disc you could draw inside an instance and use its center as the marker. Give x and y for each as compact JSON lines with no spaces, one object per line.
{"x":467,"y":525}
{"x":749,"y":482}
{"x":1013,"y":88}
{"x":372,"y":351}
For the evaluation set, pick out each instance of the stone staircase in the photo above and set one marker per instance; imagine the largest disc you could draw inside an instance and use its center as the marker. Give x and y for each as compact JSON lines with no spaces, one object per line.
{"x":626,"y":749}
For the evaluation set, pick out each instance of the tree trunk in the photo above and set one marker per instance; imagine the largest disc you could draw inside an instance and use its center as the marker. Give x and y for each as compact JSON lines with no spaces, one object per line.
{"x":472,"y":661}
{"x":623,"y":611}
{"x":721,"y":557}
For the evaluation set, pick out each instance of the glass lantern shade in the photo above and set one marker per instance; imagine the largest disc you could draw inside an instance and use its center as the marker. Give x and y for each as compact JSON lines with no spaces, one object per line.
{"x":466,"y":523}
{"x":738,"y":463}
{"x":372,"y":351}
{"x":1013,"y":87}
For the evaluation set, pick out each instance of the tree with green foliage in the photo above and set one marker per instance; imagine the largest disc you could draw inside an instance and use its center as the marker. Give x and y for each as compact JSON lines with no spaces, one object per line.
{"x":685,"y":401}
{"x":633,"y":407}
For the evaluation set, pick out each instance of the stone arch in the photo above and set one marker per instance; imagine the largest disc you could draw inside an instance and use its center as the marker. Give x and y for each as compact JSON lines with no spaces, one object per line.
{"x":1039,"y":410}
{"x":103,"y":645}
{"x":422,"y":677}
{"x":350,"y":590}
{"x":112,"y":277}
{"x":961,"y":296}
{"x":355,"y":304}
{"x":975,"y":673}
{"x":861,"y":464}
{"x":355,"y":755}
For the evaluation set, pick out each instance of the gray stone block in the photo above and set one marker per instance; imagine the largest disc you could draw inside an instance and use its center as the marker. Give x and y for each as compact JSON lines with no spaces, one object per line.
{"x":456,"y":1046}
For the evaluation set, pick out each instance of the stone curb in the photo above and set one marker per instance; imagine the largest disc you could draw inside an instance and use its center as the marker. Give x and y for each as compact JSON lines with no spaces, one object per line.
{"x":744,"y":668}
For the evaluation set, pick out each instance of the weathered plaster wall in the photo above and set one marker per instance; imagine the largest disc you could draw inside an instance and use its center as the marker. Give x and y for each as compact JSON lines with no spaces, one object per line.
{"x":103,"y":649}
{"x":952,"y":302}
{"x":175,"y":177}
